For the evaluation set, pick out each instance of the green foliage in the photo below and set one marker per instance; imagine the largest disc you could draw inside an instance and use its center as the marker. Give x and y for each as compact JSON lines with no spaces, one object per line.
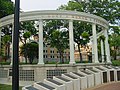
{"x":27,"y":35}
{"x":107,"y":9}
{"x":27,"y":29}
{"x":6,"y":8}
{"x":115,"y":45}
{"x":59,"y":40}
{"x":102,"y":37}
{"x":116,"y":62}
{"x":30,"y":50}
{"x":28,"y":26}
{"x":6,"y":46}
{"x":6,"y":39}
{"x":56,"y":35}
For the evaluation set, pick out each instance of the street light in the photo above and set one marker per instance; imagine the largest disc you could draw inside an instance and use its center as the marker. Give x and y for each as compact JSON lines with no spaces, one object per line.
{"x":15,"y":67}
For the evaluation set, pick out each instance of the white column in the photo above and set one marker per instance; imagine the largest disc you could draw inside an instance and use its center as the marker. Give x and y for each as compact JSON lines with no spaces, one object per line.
{"x":40,"y":60}
{"x":95,"y":43}
{"x":12,"y":44}
{"x":71,"y":42}
{"x":93,"y":57}
{"x":0,"y":37}
{"x":107,"y":48}
{"x":102,"y":51}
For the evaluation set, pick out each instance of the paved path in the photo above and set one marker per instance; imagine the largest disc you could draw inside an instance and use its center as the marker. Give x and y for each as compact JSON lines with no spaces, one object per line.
{"x":107,"y":86}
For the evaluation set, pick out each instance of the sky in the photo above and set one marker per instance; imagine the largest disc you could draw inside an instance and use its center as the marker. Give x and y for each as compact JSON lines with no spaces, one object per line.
{"x":32,"y":5}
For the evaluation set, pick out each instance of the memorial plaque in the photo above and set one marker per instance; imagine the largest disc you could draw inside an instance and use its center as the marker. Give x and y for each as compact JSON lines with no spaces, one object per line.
{"x":104,"y":77}
{"x":111,"y":75}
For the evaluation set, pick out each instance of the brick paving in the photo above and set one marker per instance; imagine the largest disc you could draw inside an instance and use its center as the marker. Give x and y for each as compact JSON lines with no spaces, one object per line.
{"x":107,"y":86}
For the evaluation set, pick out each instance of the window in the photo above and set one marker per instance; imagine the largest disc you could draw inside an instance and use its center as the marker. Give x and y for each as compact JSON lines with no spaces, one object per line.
{"x":43,"y":56}
{"x":50,"y":51}
{"x":53,"y":57}
{"x":44,"y":51}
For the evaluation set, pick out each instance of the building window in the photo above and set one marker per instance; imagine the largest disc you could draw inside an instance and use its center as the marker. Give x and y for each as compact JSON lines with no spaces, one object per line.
{"x":44,"y":51}
{"x":50,"y":51}
{"x":51,"y":56}
{"x":43,"y":56}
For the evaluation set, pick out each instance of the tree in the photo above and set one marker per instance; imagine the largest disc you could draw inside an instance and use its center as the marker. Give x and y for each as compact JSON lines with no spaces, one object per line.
{"x":6,"y":8}
{"x":32,"y":51}
{"x":6,"y":32}
{"x":108,"y":9}
{"x":56,"y":35}
{"x":6,"y":43}
{"x":59,"y":40}
{"x":27,"y":29}
{"x":81,"y":35}
{"x":115,"y":45}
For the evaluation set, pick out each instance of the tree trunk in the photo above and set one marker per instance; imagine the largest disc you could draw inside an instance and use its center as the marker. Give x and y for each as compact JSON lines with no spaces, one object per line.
{"x":25,"y":52}
{"x":62,"y":57}
{"x":5,"y":53}
{"x":8,"y":51}
{"x":80,"y":53}
{"x":115,"y":55}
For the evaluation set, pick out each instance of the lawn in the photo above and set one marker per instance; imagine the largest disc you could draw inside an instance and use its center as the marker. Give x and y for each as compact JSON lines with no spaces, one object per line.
{"x":7,"y":87}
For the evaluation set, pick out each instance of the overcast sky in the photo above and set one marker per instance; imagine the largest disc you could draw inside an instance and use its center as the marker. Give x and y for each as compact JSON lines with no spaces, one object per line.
{"x":31,"y":5}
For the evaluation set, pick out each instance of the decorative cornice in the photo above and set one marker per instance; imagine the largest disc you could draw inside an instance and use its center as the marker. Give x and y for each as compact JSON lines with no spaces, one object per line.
{"x":55,"y":14}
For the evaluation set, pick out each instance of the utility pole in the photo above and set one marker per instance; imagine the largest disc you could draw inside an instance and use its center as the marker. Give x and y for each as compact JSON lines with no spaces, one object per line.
{"x":15,"y":67}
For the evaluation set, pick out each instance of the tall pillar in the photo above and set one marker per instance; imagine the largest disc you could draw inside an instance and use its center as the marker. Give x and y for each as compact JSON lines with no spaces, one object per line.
{"x":12,"y":44}
{"x":102,"y":51}
{"x":107,"y":48}
{"x":0,"y":38}
{"x":95,"y":43}
{"x":40,"y":60}
{"x":71,"y":42}
{"x":92,"y":51}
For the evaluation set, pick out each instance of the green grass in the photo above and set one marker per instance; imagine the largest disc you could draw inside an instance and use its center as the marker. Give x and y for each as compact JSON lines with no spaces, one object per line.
{"x":116,"y":62}
{"x":7,"y":87}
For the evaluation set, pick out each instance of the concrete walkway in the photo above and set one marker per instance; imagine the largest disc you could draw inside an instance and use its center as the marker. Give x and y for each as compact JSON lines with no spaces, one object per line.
{"x":107,"y":86}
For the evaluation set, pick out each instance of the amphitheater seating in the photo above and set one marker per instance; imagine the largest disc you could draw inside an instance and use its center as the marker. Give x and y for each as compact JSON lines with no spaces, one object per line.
{"x":79,"y":80}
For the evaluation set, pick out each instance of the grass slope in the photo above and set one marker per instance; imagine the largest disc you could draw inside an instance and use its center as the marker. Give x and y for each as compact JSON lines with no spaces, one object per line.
{"x":7,"y":87}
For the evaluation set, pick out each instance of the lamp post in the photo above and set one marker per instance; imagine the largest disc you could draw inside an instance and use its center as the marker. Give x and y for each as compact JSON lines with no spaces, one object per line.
{"x":15,"y":67}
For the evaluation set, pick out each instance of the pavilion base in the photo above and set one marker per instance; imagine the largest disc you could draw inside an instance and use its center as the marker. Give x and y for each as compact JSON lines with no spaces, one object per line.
{"x":33,"y":73}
